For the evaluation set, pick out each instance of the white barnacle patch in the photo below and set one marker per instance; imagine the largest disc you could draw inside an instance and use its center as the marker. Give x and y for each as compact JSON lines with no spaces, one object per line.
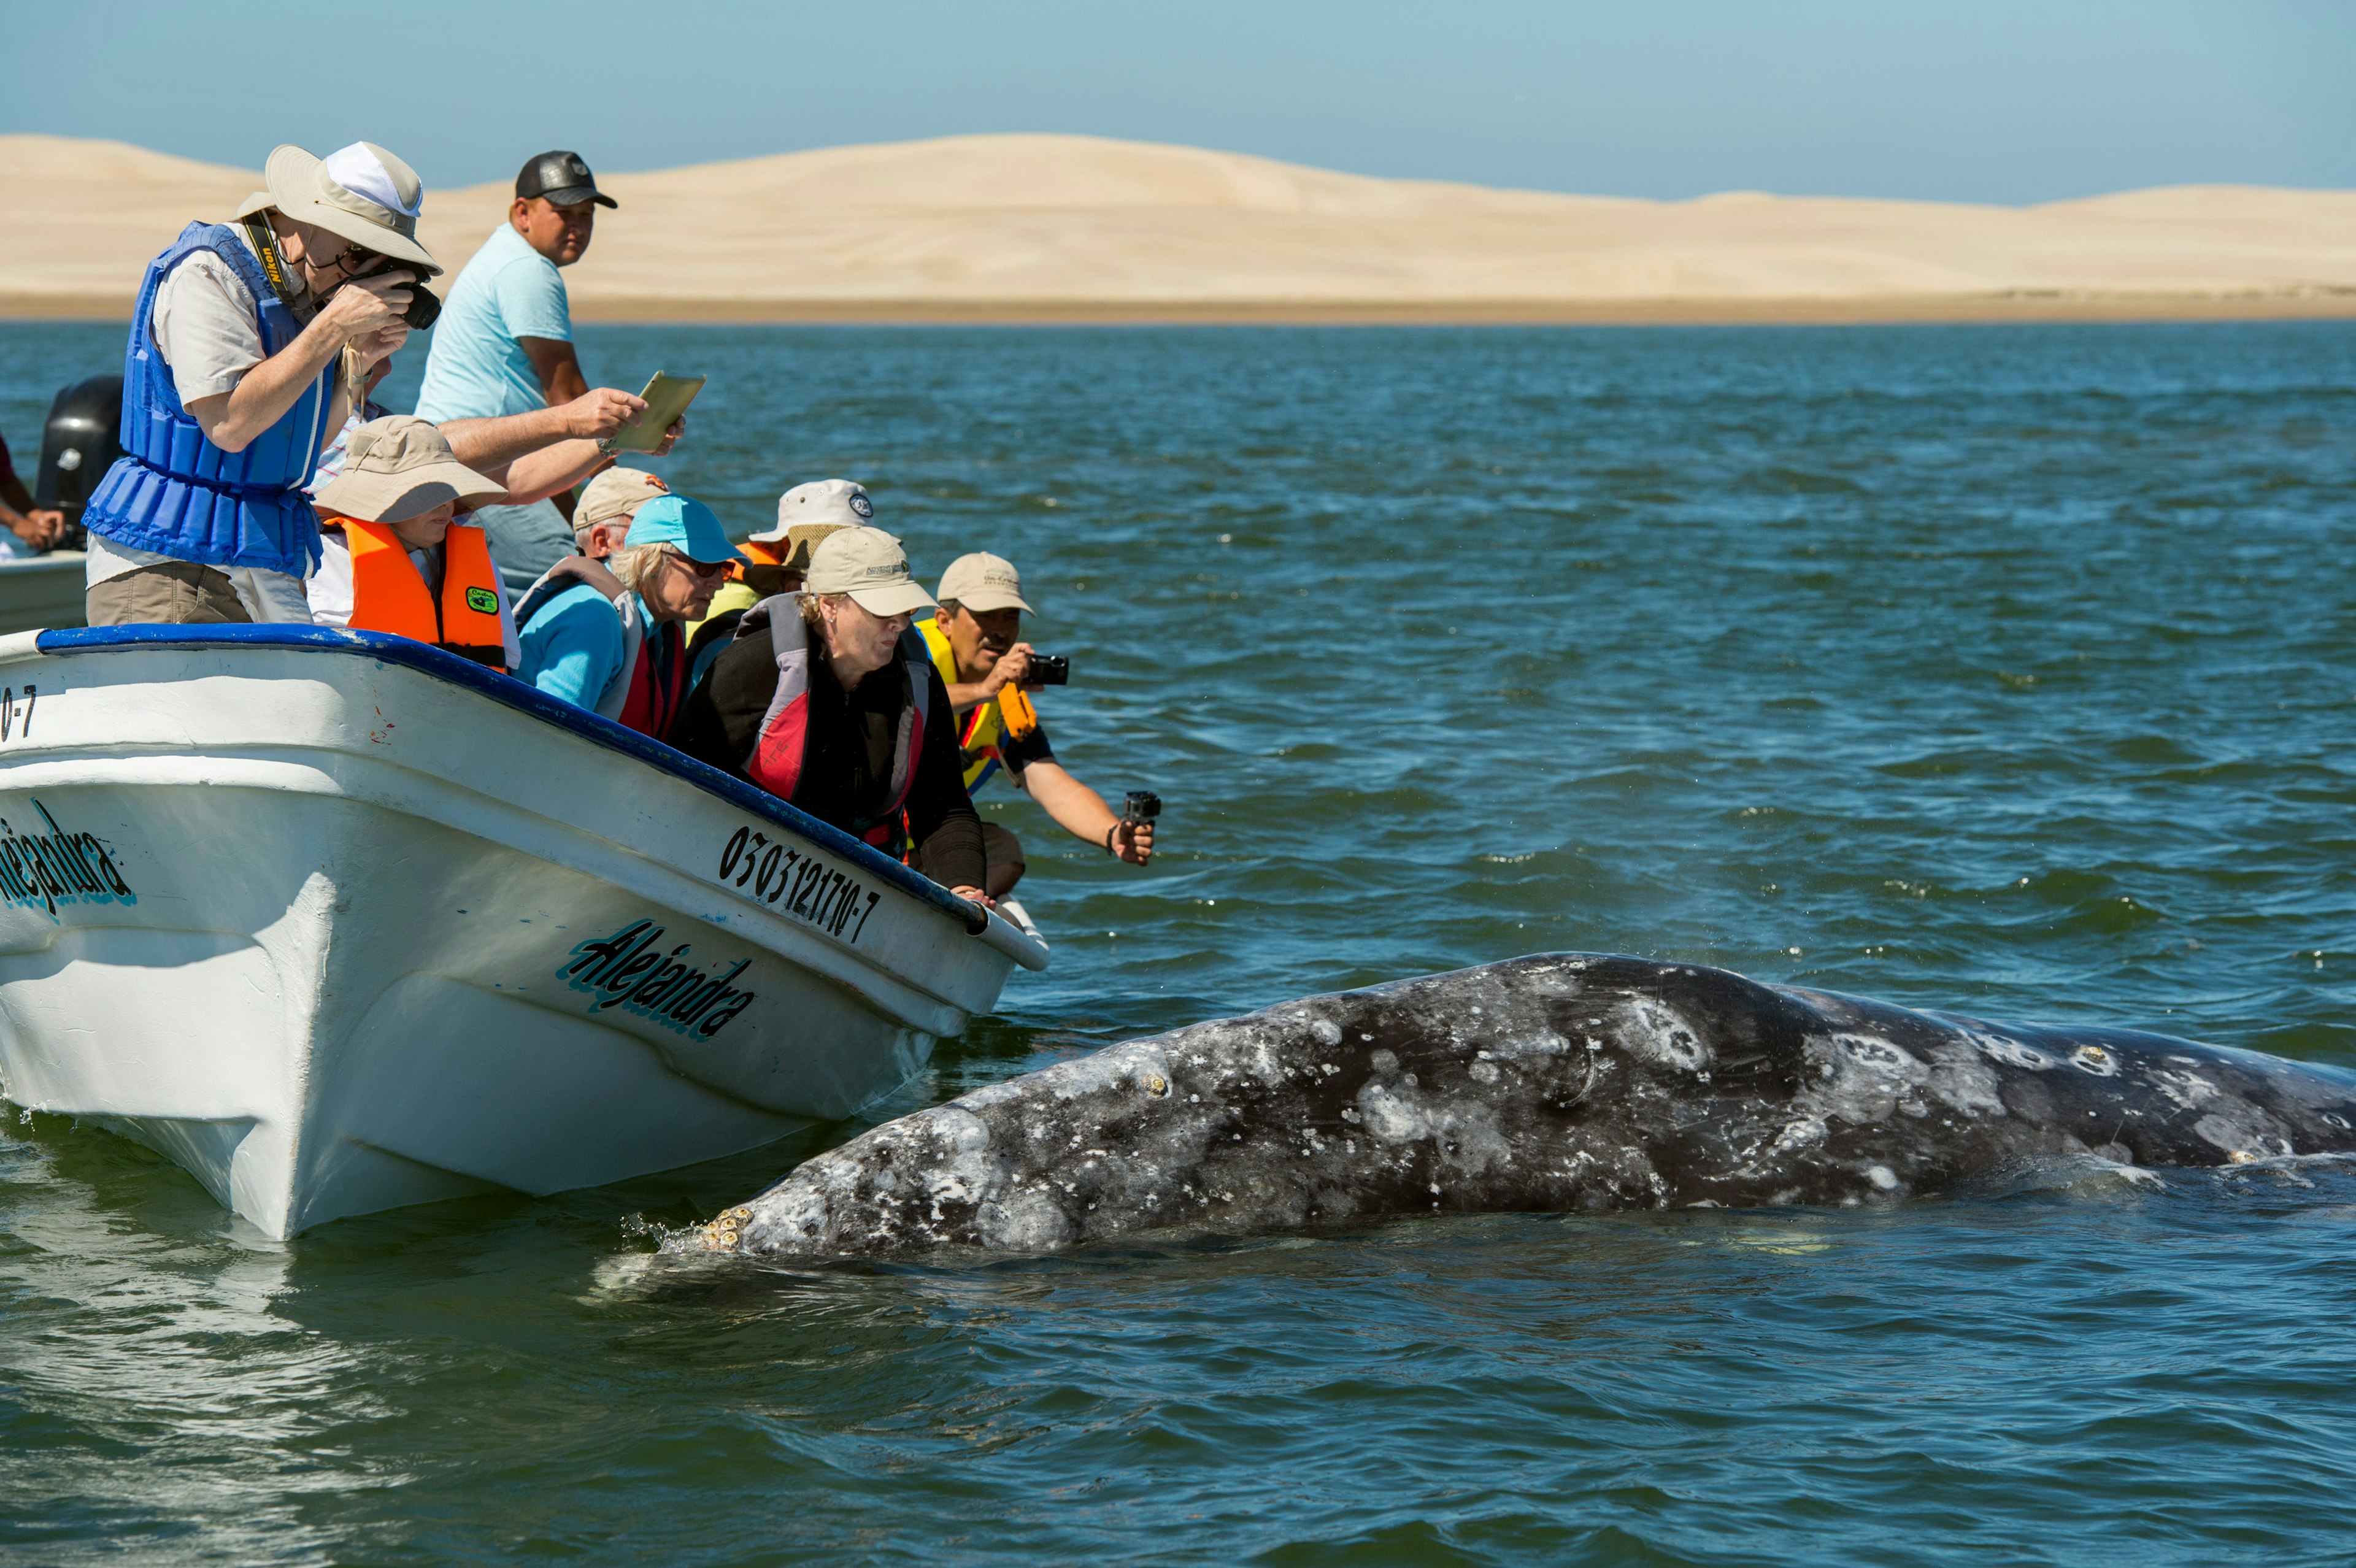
{"x":1659,"y":1034}
{"x":1391,"y":1116}
{"x":1327,"y":1031}
{"x":2242,"y":1132}
{"x":1482,"y":1072}
{"x":1871,"y":1054}
{"x":1882,"y":1177}
{"x":2010,"y":1051}
{"x":2094,"y":1058}
{"x":1026,"y":1223}
{"x":1864,"y":1078}
{"x":1961,"y":1081}
{"x":2188,"y":1091}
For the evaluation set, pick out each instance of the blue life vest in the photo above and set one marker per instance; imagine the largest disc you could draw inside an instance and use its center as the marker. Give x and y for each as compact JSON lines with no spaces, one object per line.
{"x":175,"y":493}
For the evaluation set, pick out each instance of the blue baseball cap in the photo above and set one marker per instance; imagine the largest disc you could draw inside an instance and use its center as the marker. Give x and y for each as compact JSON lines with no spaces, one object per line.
{"x":683,"y":522}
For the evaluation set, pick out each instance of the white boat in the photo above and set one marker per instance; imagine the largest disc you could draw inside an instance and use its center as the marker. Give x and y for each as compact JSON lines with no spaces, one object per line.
{"x":38,"y":591}
{"x":340,"y":922}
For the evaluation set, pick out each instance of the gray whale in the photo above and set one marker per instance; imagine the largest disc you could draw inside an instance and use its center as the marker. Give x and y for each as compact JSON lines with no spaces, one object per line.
{"x":1563,"y":1082}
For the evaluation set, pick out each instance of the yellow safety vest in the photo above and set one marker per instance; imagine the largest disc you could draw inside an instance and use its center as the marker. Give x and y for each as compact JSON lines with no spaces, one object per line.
{"x":1007,"y":716}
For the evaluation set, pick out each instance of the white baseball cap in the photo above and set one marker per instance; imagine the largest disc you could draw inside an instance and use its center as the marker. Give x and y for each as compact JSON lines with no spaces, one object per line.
{"x":983,"y":582}
{"x":869,"y":565}
{"x":823,"y":503}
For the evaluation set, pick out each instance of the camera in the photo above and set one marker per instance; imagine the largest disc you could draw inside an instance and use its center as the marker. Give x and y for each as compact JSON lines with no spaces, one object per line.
{"x":1141,"y":805}
{"x":1048,"y":670}
{"x":423,"y":308}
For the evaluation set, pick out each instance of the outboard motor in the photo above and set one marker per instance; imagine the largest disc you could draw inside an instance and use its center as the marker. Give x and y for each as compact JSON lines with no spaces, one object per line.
{"x":78,"y":444}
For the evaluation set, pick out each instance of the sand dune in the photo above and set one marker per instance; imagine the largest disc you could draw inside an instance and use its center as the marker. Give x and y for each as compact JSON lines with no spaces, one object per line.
{"x":1071,"y":226}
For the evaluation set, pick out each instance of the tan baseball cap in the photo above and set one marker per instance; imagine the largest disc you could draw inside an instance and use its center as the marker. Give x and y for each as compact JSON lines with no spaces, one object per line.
{"x":984,"y":581}
{"x":615,"y":496}
{"x":869,"y":565}
{"x":361,"y":192}
{"x":399,"y":467}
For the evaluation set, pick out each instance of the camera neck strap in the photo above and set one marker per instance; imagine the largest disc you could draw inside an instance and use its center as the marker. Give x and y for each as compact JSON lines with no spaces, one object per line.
{"x":264,"y":241}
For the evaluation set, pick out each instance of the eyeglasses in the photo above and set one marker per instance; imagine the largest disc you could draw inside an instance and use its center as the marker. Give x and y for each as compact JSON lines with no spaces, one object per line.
{"x":354,"y":260}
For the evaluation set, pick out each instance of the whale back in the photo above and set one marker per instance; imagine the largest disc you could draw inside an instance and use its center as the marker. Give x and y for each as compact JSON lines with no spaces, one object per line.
{"x":1560,"y":1081}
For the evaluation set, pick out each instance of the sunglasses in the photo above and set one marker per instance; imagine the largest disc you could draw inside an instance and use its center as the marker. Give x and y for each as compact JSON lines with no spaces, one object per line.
{"x":703,"y":571}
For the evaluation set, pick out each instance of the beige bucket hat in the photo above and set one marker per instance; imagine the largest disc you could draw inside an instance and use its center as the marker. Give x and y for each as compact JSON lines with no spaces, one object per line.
{"x":616,"y":496}
{"x":869,"y":565}
{"x":982,"y":581}
{"x":361,"y":192}
{"x":399,"y":467}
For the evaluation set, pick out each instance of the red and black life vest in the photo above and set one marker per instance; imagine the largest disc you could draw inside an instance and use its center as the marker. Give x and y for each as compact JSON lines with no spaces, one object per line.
{"x":775,"y":762}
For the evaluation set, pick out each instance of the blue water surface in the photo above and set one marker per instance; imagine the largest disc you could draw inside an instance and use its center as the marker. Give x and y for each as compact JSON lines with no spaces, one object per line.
{"x":1999,"y":668}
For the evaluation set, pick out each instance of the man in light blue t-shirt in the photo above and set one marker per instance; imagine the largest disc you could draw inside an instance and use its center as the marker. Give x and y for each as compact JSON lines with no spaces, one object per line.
{"x":504,"y":344}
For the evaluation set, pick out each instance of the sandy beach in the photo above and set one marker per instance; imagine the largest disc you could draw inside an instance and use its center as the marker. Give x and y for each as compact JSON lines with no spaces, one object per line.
{"x":1038,"y":228}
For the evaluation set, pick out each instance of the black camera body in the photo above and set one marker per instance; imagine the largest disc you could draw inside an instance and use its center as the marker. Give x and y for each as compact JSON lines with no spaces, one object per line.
{"x":423,"y":307}
{"x":1141,"y":805}
{"x":1048,"y":670}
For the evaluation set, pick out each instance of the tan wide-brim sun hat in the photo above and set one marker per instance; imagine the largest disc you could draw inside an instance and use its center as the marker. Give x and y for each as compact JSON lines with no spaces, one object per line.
{"x":362,"y":193}
{"x":399,"y":467}
{"x":869,"y":565}
{"x":983,"y":583}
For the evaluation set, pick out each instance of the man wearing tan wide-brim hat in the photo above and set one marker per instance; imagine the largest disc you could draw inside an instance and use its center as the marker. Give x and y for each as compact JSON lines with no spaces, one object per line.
{"x":246,"y":344}
{"x":395,"y":558}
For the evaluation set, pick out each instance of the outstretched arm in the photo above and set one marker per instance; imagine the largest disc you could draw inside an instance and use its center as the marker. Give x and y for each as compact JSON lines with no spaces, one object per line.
{"x":484,"y":445}
{"x":1082,"y":813}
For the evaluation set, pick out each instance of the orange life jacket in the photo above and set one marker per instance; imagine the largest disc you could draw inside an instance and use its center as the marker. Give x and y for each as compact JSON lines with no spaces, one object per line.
{"x":388,"y":595}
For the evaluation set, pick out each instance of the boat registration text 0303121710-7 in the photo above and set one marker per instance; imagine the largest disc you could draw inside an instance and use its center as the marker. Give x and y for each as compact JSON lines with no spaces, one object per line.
{"x":808,"y":889}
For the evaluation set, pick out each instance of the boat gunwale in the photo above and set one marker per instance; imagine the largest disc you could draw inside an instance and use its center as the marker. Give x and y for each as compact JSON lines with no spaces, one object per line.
{"x":509,"y":692}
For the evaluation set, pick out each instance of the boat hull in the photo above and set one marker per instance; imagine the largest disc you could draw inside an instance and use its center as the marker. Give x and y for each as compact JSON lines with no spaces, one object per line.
{"x":339,"y":929}
{"x":40,"y":591}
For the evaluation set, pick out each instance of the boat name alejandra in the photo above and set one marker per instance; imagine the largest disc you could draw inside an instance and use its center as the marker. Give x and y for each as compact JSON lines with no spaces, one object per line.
{"x":801,"y":885}
{"x":58,"y":866}
{"x":627,"y":970}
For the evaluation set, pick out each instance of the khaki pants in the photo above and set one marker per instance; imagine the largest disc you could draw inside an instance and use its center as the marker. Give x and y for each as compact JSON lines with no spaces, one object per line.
{"x":169,"y":593}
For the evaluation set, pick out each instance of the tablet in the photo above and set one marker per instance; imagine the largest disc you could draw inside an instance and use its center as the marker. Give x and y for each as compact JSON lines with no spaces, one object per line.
{"x":666,"y":397}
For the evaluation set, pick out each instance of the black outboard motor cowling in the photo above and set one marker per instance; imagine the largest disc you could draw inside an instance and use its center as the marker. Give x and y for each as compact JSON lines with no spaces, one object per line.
{"x":78,"y":444}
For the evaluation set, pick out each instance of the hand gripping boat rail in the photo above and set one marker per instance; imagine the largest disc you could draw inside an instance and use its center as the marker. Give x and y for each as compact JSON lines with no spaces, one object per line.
{"x":340,"y":922}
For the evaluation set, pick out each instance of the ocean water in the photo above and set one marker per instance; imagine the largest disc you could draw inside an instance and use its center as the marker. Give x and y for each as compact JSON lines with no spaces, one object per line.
{"x":2002,"y":668}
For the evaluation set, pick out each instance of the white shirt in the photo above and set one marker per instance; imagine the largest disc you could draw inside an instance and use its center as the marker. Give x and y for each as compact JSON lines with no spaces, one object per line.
{"x":207,"y":324}
{"x":331,"y":589}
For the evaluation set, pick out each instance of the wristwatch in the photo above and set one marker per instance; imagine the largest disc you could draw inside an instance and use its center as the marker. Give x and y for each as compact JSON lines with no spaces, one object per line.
{"x":608,"y":447}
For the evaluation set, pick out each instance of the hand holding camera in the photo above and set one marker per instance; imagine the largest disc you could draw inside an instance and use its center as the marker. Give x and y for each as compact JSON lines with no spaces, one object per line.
{"x":1132,"y":838}
{"x":398,"y":288}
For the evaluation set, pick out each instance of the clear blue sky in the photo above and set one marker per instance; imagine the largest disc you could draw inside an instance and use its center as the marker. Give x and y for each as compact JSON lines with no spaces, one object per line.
{"x":1974,"y":100}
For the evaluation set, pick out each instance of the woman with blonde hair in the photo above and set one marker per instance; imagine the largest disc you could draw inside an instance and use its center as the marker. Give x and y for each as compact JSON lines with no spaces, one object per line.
{"x":605,"y":635}
{"x":830,"y":700}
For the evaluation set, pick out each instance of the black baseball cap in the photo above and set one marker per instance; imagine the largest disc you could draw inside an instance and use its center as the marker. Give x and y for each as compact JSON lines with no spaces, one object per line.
{"x":563,"y":178}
